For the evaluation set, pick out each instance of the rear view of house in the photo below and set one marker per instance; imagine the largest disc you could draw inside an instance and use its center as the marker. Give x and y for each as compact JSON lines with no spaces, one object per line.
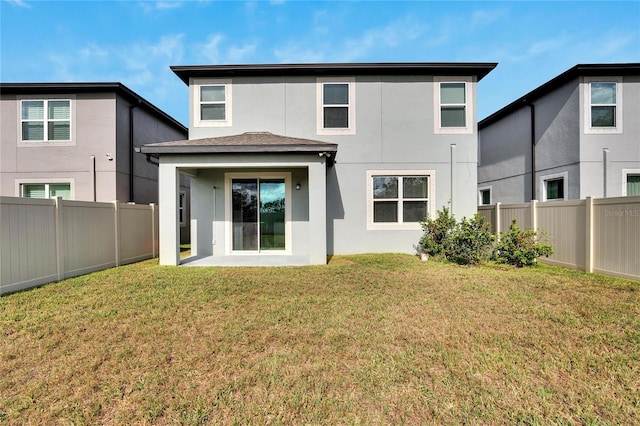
{"x":291,"y":163}
{"x":579,"y":133}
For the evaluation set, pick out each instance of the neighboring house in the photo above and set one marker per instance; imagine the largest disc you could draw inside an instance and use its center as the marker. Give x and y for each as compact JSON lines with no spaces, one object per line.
{"x":291,"y":163}
{"x":77,"y":141}
{"x":579,"y":133}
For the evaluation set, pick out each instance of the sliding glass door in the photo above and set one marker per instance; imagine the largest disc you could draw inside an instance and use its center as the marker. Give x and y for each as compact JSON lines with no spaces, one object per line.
{"x":258,"y":214}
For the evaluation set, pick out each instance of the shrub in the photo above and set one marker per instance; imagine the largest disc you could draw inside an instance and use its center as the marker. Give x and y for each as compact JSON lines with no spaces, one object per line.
{"x":470,"y":242}
{"x":520,"y":247}
{"x":436,"y":232}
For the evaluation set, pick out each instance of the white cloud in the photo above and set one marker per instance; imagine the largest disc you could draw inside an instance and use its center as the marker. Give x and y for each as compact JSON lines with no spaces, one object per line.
{"x":19,"y":3}
{"x":296,"y":52}
{"x":484,"y":17}
{"x":319,"y":47}
{"x":92,"y":50}
{"x":210,"y":49}
{"x":151,"y":5}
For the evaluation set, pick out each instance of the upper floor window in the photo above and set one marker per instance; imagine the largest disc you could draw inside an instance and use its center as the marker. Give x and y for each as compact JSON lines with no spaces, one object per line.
{"x":453,"y":105}
{"x":336,"y":106}
{"x":603,"y":98}
{"x":212,"y":103}
{"x":45,"y":120}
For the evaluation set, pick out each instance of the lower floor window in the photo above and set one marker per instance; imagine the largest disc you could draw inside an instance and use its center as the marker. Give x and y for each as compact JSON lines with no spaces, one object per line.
{"x":633,"y":184}
{"x":399,"y":199}
{"x":485,"y":197}
{"x":46,"y":190}
{"x":554,"y":189}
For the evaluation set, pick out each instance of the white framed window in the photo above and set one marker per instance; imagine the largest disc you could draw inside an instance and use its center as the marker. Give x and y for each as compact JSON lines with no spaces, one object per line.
{"x":46,"y":121}
{"x":212,"y":106}
{"x":484,"y":196}
{"x":554,"y":186}
{"x":258,"y":213}
{"x":45,"y":188}
{"x":182,"y":208}
{"x":453,"y":105}
{"x":399,"y":199}
{"x":336,"y":105}
{"x":630,"y":182}
{"x":603,"y":104}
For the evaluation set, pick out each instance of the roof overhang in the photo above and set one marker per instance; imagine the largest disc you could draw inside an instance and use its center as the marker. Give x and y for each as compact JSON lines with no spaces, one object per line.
{"x":479,"y":69}
{"x":580,"y":70}
{"x":89,"y":87}
{"x":245,"y":143}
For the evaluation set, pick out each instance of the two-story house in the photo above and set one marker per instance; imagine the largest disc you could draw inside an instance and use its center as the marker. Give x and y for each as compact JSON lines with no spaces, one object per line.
{"x":579,"y":133}
{"x":290,"y":163}
{"x":77,"y":141}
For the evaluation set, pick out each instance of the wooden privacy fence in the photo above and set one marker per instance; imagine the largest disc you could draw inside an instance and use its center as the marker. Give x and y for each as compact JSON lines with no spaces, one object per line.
{"x":48,"y":240}
{"x":594,"y":235}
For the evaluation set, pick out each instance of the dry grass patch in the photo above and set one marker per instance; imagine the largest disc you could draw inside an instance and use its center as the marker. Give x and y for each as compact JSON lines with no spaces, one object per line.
{"x":373,"y":339}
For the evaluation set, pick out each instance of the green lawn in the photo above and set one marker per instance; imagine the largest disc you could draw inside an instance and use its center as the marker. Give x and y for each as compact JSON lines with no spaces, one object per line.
{"x":371,"y":339}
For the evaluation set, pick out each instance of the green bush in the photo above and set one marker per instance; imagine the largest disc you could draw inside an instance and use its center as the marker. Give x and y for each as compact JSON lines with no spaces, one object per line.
{"x":471,"y":242}
{"x":468,"y":242}
{"x":436,"y":233}
{"x":520,"y":247}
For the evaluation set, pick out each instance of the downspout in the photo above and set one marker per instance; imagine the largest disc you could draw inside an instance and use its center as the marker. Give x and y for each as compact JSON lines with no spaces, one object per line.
{"x":131,"y":147}
{"x":532,"y":108}
{"x":93,"y":176}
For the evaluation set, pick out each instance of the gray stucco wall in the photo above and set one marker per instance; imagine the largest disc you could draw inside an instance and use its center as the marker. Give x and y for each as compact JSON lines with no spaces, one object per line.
{"x":100,"y":129}
{"x":505,"y":158}
{"x":94,"y":135}
{"x":624,"y":148}
{"x":394,"y":131}
{"x":562,"y":146}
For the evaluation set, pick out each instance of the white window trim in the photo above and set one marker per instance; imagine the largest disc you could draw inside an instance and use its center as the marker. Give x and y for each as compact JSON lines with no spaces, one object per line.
{"x":485,"y":188}
{"x":195,"y":96}
{"x":625,"y":173}
{"x":387,"y":226}
{"x":72,"y":119}
{"x":587,"y":105}
{"x":543,"y":185}
{"x":70,"y":181}
{"x":469,"y":105}
{"x":228,"y":213}
{"x":320,"y":82}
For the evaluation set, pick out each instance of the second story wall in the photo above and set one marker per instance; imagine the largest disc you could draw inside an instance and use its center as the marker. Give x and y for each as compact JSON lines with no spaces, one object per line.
{"x":393,"y":117}
{"x":622,"y":143}
{"x":135,"y":127}
{"x":92,"y":133}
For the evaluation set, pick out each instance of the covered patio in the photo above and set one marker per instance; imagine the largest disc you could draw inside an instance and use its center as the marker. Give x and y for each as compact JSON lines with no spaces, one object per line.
{"x":256,"y":199}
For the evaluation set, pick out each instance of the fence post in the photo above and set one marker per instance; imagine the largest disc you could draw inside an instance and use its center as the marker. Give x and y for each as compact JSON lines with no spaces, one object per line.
{"x":534,"y":215}
{"x":588,"y":251}
{"x":59,"y":237}
{"x":153,"y":230}
{"x":498,"y":228}
{"x":116,"y":221}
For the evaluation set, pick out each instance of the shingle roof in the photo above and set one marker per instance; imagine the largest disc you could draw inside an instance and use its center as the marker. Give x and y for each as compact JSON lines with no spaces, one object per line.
{"x":250,"y":142}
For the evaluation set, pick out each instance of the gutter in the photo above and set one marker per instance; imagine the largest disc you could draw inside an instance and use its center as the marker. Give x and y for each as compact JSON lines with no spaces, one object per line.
{"x":131,"y":147}
{"x":532,"y":108}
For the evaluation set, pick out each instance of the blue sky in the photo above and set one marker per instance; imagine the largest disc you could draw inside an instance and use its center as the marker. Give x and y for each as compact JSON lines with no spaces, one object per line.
{"x":135,"y":42}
